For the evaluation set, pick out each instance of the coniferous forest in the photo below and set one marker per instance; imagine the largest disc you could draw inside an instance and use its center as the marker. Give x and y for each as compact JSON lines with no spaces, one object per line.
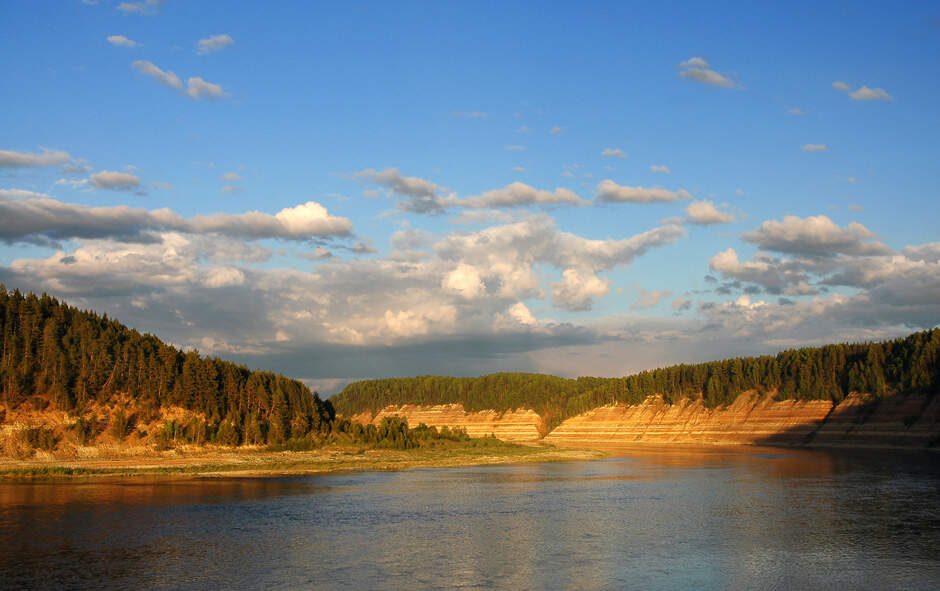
{"x":902,"y":366}
{"x":54,"y":354}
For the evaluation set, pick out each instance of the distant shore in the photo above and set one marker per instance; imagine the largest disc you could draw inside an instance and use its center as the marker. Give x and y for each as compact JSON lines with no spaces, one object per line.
{"x":240,"y":463}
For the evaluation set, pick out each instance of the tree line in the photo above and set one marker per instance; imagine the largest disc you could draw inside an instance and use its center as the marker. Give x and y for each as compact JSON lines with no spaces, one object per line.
{"x":831,"y":372}
{"x":54,"y":354}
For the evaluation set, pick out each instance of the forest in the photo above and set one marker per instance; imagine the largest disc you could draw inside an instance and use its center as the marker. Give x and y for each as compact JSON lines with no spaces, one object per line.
{"x":59,"y":357}
{"x":831,"y":372}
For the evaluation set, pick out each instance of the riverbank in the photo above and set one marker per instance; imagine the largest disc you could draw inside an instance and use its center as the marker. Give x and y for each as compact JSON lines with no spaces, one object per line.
{"x":226,"y":462}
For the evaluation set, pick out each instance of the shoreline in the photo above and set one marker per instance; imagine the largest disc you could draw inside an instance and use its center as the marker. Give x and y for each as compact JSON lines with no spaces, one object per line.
{"x":258,"y":463}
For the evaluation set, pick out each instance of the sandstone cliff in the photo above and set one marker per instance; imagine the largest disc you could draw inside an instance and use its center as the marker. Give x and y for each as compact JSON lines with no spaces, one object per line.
{"x":858,"y":421}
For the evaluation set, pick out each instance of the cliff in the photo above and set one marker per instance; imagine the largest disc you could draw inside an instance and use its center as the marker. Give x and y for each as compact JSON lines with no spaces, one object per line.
{"x":512,"y":425}
{"x":858,"y":421}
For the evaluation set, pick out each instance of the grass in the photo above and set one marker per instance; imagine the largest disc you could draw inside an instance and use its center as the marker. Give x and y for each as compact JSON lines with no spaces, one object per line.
{"x":221,"y":462}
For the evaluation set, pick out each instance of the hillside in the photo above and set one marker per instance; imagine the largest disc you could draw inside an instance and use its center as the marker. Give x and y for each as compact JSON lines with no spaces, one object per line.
{"x":57,"y":358}
{"x":901,"y":367}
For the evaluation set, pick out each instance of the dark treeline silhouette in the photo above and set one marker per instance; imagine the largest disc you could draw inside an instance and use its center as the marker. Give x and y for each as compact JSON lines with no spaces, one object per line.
{"x":55,"y":354}
{"x":831,"y":372}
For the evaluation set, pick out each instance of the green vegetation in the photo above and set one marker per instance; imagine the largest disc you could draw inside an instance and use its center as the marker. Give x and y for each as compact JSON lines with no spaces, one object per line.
{"x":901,"y":366}
{"x":57,"y":357}
{"x":54,"y":354}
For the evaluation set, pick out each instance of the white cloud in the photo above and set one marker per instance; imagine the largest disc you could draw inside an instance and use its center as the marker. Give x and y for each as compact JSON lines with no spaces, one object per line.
{"x":114,"y":181}
{"x":11,"y":159}
{"x":556,"y":130}
{"x":614,"y":153}
{"x":422,"y":194}
{"x":142,"y":7}
{"x":196,"y":88}
{"x":795,"y":112}
{"x":815,"y":236}
{"x":840,"y":86}
{"x":223,"y":277}
{"x":231,"y":176}
{"x":466,"y":281}
{"x":704,"y":212}
{"x":660,"y":168}
{"x":518,"y":194}
{"x":870,"y":94}
{"x":649,"y":299}
{"x":213,"y":43}
{"x":608,"y":190}
{"x":577,"y":288}
{"x":698,"y":70}
{"x":122,"y":41}
{"x":814,"y":148}
{"x":43,"y":220}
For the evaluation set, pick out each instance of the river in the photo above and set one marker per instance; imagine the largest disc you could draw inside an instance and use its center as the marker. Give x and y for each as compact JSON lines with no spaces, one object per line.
{"x":648,"y":518}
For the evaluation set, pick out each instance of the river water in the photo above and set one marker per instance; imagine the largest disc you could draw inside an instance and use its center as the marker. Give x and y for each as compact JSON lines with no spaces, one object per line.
{"x":650,"y":518}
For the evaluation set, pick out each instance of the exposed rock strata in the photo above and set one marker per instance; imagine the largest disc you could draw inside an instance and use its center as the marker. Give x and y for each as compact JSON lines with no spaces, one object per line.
{"x":858,"y":421}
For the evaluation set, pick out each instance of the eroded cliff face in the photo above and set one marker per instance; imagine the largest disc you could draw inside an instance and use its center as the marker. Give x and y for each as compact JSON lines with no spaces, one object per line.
{"x":750,"y":419}
{"x":513,"y":425}
{"x":858,"y":421}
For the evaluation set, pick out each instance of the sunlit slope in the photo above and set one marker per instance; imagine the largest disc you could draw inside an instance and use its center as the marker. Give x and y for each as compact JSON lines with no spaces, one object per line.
{"x":836,"y":375}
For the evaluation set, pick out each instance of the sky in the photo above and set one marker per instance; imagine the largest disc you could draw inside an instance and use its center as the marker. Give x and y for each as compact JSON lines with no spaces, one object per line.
{"x":358,"y":190}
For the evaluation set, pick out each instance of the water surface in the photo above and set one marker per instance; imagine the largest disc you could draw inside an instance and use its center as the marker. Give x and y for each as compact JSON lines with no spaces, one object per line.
{"x":651,"y":518}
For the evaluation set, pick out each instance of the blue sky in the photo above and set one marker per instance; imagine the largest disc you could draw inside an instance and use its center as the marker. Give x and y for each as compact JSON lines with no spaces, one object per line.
{"x":465,"y":188}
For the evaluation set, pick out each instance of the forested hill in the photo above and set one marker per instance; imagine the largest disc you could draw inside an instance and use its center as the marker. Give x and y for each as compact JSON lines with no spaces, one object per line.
{"x":54,"y":354}
{"x":831,"y":372}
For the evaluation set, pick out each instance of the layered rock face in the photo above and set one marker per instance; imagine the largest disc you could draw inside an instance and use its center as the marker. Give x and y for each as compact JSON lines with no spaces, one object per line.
{"x":858,"y":421}
{"x":909,"y":421}
{"x":748,"y":420}
{"x":513,"y":425}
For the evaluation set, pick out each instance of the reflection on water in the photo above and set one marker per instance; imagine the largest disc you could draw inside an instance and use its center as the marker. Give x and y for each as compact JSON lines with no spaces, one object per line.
{"x":649,"y":518}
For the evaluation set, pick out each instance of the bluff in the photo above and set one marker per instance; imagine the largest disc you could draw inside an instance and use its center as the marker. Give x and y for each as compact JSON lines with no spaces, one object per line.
{"x":862,"y":394}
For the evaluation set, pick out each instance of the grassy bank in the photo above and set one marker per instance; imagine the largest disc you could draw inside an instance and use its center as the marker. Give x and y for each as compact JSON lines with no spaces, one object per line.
{"x":224,"y":462}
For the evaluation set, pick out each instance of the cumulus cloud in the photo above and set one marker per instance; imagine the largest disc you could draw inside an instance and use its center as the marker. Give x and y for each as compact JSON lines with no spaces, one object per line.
{"x":468,"y":114}
{"x":196,"y":88}
{"x":148,"y":7}
{"x":577,"y":288}
{"x":696,"y":69}
{"x":611,"y":192}
{"x":704,"y":212}
{"x":231,"y":176}
{"x":213,"y":43}
{"x":505,"y":258}
{"x":43,"y":220}
{"x":815,"y":236}
{"x":114,"y":181}
{"x":122,"y":41}
{"x":660,"y":168}
{"x":649,"y":299}
{"x":613,"y":153}
{"x":422,"y":194}
{"x":814,"y":148}
{"x":556,"y":130}
{"x":519,"y":194}
{"x":773,"y":274}
{"x":11,"y":159}
{"x":870,"y":94}
{"x":840,"y":86}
